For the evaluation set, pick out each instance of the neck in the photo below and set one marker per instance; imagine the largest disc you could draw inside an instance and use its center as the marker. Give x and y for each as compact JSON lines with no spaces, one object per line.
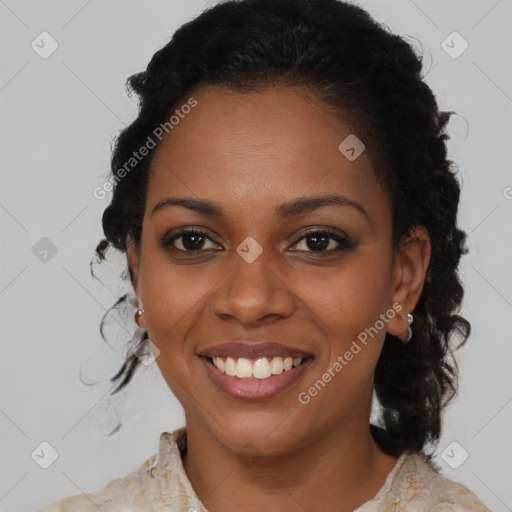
{"x":344,"y":466}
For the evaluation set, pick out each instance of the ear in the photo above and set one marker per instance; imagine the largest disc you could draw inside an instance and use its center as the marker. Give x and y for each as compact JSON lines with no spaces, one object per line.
{"x":410,"y":263}
{"x":133,"y":260}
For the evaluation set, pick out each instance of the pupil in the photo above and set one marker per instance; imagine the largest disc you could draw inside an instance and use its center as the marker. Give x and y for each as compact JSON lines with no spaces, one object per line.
{"x":321,"y":241}
{"x":194,"y":245}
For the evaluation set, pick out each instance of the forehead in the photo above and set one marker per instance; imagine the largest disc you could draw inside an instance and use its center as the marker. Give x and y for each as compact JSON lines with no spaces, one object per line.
{"x":259,"y":148}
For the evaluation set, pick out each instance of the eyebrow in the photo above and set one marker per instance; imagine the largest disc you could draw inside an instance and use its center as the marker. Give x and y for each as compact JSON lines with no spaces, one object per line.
{"x":295,"y":207}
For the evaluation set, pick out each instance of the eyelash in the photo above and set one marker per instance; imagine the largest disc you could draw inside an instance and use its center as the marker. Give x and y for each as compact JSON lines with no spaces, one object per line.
{"x":344,"y":243}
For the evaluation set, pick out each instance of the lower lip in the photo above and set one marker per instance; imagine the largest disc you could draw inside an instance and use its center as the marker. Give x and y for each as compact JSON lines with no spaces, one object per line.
{"x":252,"y":388}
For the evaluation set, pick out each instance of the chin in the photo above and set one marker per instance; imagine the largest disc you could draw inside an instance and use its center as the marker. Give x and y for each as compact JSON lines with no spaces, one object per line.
{"x":257,"y":434}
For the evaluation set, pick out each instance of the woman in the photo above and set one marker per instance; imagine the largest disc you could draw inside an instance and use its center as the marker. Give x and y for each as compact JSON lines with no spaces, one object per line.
{"x":289,"y":218}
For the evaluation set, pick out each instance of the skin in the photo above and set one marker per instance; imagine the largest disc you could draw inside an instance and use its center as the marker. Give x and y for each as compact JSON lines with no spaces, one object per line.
{"x":251,"y":152}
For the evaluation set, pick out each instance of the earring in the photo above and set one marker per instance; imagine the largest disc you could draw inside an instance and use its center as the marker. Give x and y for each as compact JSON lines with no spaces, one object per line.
{"x":138,"y":314}
{"x":408,"y":319}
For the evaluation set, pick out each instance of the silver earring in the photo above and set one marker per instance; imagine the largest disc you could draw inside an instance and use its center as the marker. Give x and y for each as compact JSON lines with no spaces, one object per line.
{"x":408,"y":319}
{"x":138,"y":314}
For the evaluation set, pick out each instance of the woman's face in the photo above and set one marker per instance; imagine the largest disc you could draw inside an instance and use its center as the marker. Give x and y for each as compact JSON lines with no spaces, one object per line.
{"x":258,"y":276}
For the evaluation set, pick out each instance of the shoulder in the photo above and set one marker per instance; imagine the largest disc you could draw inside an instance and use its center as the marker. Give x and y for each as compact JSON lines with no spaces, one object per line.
{"x":160,"y":481}
{"x":418,"y":486}
{"x":125,"y":494}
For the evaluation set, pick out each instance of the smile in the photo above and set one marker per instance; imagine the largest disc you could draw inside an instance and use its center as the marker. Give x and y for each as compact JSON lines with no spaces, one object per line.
{"x":255,"y":379}
{"x":261,"y":368}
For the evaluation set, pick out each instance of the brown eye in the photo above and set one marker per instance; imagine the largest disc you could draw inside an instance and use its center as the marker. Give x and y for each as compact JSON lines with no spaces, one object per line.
{"x":322,"y":241}
{"x":189,"y":240}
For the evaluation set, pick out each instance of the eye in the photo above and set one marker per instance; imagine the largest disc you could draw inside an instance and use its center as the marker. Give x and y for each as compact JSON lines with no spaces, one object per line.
{"x":314,"y":241}
{"x":322,"y":241}
{"x":189,"y":240}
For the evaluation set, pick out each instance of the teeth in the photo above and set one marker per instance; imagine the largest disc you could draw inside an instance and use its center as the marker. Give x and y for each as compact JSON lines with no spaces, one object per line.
{"x":243,"y":368}
{"x":229,"y":367}
{"x":219,"y":363}
{"x":262,"y":368}
{"x":276,"y":365}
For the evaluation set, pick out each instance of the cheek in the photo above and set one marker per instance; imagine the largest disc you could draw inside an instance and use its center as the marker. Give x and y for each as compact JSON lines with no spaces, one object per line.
{"x":351,"y":296}
{"x":169,"y":301}
{"x":172,"y":300}
{"x":347,"y":304}
{"x":172,"y":292}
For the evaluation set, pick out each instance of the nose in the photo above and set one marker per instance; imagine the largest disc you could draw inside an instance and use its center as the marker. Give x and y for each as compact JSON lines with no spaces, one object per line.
{"x":252,"y":292}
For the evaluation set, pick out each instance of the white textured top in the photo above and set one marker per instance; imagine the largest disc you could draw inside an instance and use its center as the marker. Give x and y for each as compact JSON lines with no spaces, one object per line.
{"x":161,"y":485}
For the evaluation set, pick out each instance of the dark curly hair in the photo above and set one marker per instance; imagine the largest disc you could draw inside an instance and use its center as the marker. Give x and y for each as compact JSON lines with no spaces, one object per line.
{"x":360,"y":69}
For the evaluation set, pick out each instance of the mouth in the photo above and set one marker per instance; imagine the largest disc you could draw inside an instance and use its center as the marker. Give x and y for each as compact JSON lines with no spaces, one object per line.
{"x":260,"y":368}
{"x":255,"y":378}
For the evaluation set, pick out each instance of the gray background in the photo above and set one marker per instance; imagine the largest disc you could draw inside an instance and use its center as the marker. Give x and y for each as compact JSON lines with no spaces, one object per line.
{"x":58,"y":117}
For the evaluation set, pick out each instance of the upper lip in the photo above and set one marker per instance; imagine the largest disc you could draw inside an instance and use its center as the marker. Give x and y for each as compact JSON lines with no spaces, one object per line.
{"x":252,"y":350}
